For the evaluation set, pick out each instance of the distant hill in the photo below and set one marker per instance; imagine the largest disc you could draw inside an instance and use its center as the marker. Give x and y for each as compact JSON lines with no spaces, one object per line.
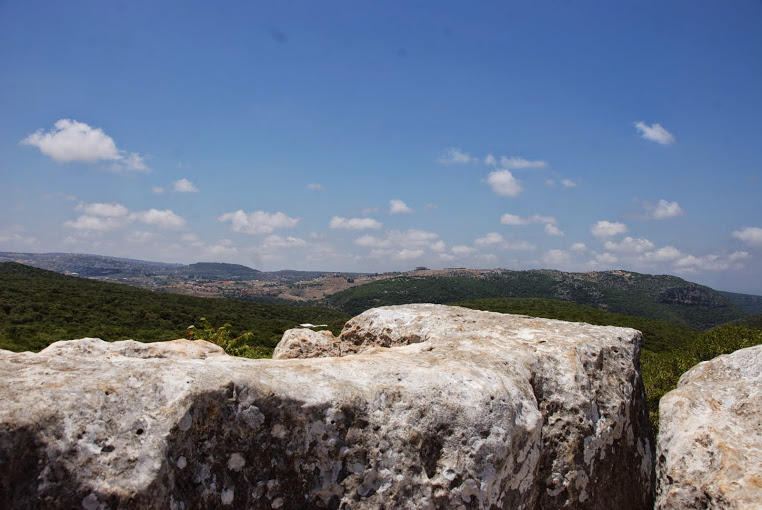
{"x":748,"y":302}
{"x":86,"y":265}
{"x":220,"y":271}
{"x":752,"y":321}
{"x":38,"y":307}
{"x":663,"y":297}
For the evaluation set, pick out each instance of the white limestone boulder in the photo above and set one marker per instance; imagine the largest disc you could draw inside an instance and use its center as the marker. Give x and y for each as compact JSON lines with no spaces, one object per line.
{"x":469,"y":410}
{"x":710,"y":436}
{"x":306,"y":343}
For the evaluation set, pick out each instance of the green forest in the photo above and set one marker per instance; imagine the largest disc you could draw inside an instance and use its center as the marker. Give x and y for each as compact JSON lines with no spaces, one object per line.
{"x":38,"y":307}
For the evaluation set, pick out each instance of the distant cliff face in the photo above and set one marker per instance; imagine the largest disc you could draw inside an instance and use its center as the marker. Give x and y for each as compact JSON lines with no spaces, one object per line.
{"x":440,"y":407}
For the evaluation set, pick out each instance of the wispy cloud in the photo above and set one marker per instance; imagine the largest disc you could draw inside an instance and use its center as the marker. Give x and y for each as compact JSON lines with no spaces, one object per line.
{"x":399,"y":207}
{"x":314,"y":186}
{"x":655,"y":133}
{"x":184,"y":186}
{"x":354,"y":223}
{"x":553,"y":230}
{"x":516,"y":163}
{"x":73,"y":141}
{"x":455,"y":156}
{"x":512,"y":219}
{"x":630,"y":245}
{"x":752,"y":236}
{"x":258,"y":222}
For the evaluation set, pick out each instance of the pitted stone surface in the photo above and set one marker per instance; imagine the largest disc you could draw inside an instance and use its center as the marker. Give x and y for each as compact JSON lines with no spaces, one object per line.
{"x":306,"y":343}
{"x":467,"y":409}
{"x":710,"y":438}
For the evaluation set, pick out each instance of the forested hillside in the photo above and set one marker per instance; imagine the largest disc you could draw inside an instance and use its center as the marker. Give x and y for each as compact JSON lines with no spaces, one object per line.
{"x":38,"y":307}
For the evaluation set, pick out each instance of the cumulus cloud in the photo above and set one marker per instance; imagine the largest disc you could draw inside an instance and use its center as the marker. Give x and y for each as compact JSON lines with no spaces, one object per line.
{"x":184,"y":186}
{"x":141,"y":236}
{"x":491,"y":238}
{"x":514,"y":163}
{"x":354,"y":223}
{"x":455,"y":156}
{"x":102,"y":209}
{"x":663,"y":210}
{"x":553,"y":230}
{"x":399,"y":207}
{"x":407,"y":254}
{"x":606,"y":258}
{"x":166,"y":219}
{"x":258,"y":222}
{"x":73,"y":141}
{"x":159,"y":190}
{"x":608,"y":229}
{"x":655,"y":133}
{"x":665,"y":254}
{"x":578,"y":247}
{"x":504,"y":183}
{"x":752,"y":236}
{"x":628,"y":244}
{"x":512,"y":219}
{"x":275,"y":241}
{"x":490,"y":160}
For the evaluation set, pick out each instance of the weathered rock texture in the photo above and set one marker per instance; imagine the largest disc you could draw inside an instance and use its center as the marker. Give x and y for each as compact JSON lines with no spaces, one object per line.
{"x":471,"y":410}
{"x":306,"y":343}
{"x":710,"y":437}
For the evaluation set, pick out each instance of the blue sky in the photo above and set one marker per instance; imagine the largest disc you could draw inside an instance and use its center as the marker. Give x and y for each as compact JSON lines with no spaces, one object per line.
{"x":378,"y":136}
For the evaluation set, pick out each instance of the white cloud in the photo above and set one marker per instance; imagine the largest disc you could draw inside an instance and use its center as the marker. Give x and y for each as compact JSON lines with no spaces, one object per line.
{"x":504,"y":183}
{"x":512,"y":219}
{"x":628,"y":244}
{"x":158,"y":190}
{"x":606,"y":258}
{"x":664,"y":254}
{"x":399,"y":207}
{"x":141,"y":236}
{"x":608,"y":229}
{"x":663,"y":210}
{"x":258,"y":222}
{"x":550,"y":183}
{"x":514,"y":163}
{"x":490,"y":160}
{"x":101,"y":209}
{"x":553,"y":230}
{"x":455,"y":156}
{"x":411,"y":239}
{"x":71,"y":141}
{"x":568,"y":183}
{"x":555,"y":257}
{"x":713,"y":262}
{"x":184,"y":186}
{"x":97,"y":223}
{"x":165,"y":219}
{"x":462,"y":250}
{"x":275,"y":241}
{"x":491,"y":238}
{"x":354,"y":223}
{"x":655,"y":133}
{"x":438,"y":246}
{"x":578,"y":247}
{"x":315,"y":186}
{"x":407,"y":254}
{"x":752,"y":236}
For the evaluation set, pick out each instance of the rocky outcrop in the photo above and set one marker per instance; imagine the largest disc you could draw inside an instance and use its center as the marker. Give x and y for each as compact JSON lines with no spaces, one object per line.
{"x":306,"y":343}
{"x":710,"y":438}
{"x":465,"y":409}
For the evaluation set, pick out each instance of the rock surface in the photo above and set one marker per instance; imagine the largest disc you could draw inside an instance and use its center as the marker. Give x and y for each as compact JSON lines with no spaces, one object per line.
{"x":306,"y":343}
{"x":470,"y":410}
{"x":710,"y":438}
